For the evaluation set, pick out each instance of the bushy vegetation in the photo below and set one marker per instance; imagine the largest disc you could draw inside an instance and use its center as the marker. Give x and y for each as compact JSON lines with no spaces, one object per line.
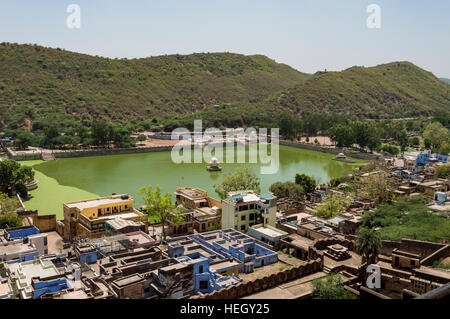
{"x":330,"y":287}
{"x":443,"y":171}
{"x":240,"y":179}
{"x":308,"y":183}
{"x":14,"y":177}
{"x":288,"y":189}
{"x":410,"y":218}
{"x":8,"y":216}
{"x":332,"y":206}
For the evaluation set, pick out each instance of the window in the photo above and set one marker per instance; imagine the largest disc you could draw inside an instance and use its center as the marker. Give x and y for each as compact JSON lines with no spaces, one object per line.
{"x":203,"y":284}
{"x":243,"y":217}
{"x":45,"y":241}
{"x":200,"y":269}
{"x":243,"y":227}
{"x":99,"y":211}
{"x":126,"y":206}
{"x":267,"y":220}
{"x":252,"y":216}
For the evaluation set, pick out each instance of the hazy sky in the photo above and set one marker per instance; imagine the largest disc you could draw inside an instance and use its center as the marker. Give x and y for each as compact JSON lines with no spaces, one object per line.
{"x":308,"y":35}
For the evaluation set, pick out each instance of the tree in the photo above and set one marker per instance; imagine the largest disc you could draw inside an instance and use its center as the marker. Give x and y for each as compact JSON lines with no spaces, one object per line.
{"x":10,"y":220}
{"x":342,"y":135}
{"x":14,"y":177}
{"x":287,"y":125}
{"x":414,"y":141}
{"x":330,"y":287}
{"x":288,"y":189}
{"x":50,"y":135}
{"x":402,"y":139}
{"x":332,"y":206}
{"x":141,"y":138}
{"x":23,"y":139}
{"x":368,"y":244}
{"x":308,"y":183}
{"x":377,"y":188}
{"x":241,"y":179}
{"x":443,"y":171}
{"x":159,"y":206}
{"x":101,"y":132}
{"x":8,"y":204}
{"x":366,"y":134}
{"x":437,"y":134}
{"x":390,"y":149}
{"x":8,"y":216}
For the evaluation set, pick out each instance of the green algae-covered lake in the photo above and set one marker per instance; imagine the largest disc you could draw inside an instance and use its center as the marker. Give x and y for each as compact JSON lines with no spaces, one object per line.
{"x":73,"y":179}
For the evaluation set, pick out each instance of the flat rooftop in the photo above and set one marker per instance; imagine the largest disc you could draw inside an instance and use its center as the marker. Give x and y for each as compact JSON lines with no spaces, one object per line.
{"x":16,"y":249}
{"x":224,"y":265}
{"x":40,"y":268}
{"x":269,"y":232}
{"x":97,"y":202}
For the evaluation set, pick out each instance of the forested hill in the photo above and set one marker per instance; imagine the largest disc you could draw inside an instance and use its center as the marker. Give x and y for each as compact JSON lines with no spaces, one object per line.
{"x":393,"y":90}
{"x":39,"y":84}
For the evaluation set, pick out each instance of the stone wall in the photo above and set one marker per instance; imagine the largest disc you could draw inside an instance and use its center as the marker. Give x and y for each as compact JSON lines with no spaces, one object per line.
{"x":45,"y":223}
{"x":422,"y":248}
{"x":312,"y":147}
{"x":247,"y":288}
{"x":109,"y":151}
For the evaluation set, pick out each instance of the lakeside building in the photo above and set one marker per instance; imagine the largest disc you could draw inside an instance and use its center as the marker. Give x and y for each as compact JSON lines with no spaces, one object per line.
{"x":202,"y":213}
{"x":244,"y":209}
{"x":88,"y":218}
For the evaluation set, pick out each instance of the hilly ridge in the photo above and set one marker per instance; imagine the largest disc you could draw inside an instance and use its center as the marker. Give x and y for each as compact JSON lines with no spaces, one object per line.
{"x":40,"y":85}
{"x":393,"y":90}
{"x":37,"y":83}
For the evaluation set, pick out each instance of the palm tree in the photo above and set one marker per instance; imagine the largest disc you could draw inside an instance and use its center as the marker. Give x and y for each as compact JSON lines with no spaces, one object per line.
{"x":368,"y":244}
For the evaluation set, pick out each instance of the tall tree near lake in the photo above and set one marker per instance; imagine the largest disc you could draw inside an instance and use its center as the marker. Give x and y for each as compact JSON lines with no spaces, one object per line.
{"x":288,"y":189}
{"x":241,"y":179}
{"x":159,"y":206}
{"x":308,"y":183}
{"x":368,"y":244}
{"x":13,"y":177}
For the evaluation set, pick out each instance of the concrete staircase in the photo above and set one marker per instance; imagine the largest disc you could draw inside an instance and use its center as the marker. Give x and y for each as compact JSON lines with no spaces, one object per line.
{"x":326,"y":269}
{"x":48,"y":156}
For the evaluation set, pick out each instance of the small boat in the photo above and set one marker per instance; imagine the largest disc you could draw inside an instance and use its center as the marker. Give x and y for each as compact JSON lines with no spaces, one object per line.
{"x":214,"y":167}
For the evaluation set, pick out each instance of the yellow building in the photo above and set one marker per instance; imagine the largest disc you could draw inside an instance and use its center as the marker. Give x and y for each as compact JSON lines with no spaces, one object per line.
{"x":244,"y":209}
{"x":88,"y":218}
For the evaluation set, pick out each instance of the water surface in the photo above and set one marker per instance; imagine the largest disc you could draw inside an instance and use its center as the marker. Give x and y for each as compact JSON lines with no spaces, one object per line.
{"x":74,"y":179}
